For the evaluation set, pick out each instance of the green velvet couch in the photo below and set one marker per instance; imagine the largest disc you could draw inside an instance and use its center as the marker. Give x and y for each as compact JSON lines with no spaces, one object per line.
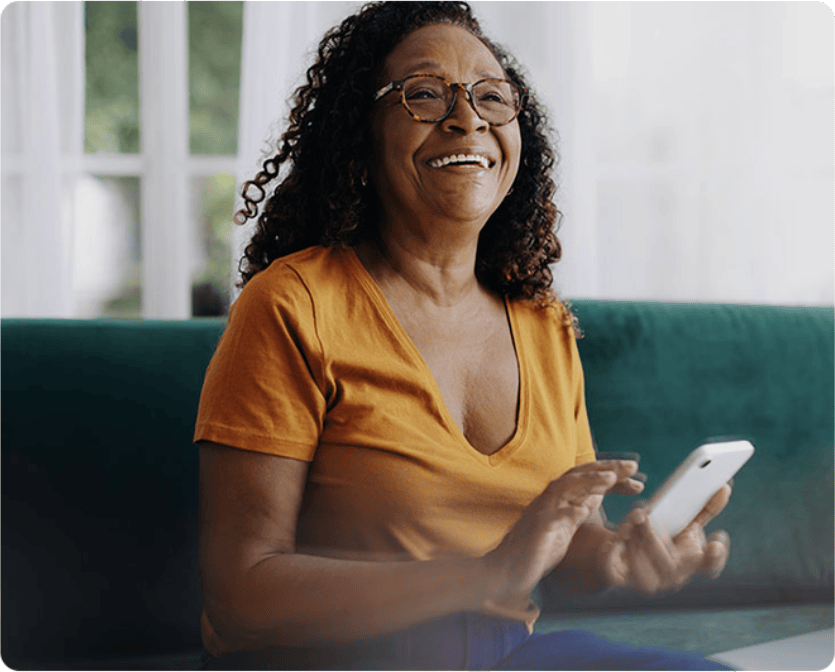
{"x":99,"y":478}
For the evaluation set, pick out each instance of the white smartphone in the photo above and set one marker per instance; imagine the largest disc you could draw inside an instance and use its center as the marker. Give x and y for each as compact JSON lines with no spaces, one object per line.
{"x":677,"y":502}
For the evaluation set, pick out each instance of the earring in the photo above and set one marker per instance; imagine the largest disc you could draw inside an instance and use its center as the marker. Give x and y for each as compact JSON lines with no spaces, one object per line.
{"x":364,"y":178}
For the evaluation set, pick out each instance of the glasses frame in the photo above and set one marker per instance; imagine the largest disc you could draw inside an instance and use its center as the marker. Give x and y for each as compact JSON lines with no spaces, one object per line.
{"x":455,"y":87}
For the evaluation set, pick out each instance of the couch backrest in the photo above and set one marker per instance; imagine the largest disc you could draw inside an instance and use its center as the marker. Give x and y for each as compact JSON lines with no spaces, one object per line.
{"x":99,"y":485}
{"x":99,"y":474}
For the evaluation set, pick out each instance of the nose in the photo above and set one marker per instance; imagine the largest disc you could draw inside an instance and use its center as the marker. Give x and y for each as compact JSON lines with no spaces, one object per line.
{"x":463,"y":118}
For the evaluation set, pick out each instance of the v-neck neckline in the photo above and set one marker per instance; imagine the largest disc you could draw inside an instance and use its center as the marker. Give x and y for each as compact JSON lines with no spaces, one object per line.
{"x":390,"y":317}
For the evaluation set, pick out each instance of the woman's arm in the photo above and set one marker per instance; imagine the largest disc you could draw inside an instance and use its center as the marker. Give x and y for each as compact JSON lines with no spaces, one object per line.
{"x":259,"y":592}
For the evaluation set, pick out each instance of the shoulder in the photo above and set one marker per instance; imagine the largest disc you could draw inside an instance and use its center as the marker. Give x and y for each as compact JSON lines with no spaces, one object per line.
{"x":546,"y":334}
{"x":294,"y":281}
{"x":552,"y":319}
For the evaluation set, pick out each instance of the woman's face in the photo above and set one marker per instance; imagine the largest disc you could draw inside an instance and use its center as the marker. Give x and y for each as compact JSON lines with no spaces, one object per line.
{"x":411,"y":183}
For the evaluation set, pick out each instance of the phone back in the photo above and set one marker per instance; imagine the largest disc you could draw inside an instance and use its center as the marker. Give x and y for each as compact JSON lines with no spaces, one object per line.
{"x":685,"y":493}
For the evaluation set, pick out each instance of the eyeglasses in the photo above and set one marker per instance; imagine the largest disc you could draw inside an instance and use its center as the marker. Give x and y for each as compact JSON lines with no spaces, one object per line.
{"x":429,"y":98}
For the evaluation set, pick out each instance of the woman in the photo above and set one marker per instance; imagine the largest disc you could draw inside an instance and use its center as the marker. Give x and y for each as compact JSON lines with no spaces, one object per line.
{"x":394,"y":446}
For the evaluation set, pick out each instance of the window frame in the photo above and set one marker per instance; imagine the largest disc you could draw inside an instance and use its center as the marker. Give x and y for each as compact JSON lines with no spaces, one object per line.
{"x":164,"y":164}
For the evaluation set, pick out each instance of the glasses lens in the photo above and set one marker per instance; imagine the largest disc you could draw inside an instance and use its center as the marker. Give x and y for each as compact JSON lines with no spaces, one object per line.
{"x":496,"y":101}
{"x":427,"y":98}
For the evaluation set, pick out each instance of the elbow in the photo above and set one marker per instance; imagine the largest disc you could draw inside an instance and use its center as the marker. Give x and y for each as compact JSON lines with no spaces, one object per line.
{"x":241,"y":608}
{"x":230,"y":620}
{"x":224,"y":627}
{"x":232,"y":623}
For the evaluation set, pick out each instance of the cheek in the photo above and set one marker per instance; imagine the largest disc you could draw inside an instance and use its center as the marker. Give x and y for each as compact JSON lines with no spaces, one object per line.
{"x":393,"y":147}
{"x":513,"y":155}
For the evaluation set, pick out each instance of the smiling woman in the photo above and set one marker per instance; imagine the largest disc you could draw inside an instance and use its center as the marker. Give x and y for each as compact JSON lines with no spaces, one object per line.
{"x":394,"y":446}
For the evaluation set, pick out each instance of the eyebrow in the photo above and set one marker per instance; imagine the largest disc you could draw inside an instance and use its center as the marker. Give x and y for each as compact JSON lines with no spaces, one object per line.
{"x":433,"y":67}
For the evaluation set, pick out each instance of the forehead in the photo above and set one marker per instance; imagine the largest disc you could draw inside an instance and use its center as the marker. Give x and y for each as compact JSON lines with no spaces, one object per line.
{"x":442,"y":49}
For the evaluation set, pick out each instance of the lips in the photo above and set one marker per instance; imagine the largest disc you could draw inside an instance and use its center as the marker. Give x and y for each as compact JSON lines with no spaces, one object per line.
{"x":461,"y":159}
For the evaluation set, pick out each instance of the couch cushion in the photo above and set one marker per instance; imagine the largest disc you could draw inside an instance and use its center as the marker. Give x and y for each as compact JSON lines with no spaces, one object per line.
{"x":706,"y":631}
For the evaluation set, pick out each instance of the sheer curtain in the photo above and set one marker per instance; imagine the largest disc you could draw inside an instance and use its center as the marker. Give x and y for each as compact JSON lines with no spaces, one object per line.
{"x":696,"y":138}
{"x":42,"y":145}
{"x":696,"y":143}
{"x":704,"y":136}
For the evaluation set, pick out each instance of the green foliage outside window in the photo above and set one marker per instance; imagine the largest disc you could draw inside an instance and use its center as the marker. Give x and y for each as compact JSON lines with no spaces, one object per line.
{"x":214,"y":63}
{"x":111,"y":120}
{"x":216,"y":198}
{"x":112,"y":76}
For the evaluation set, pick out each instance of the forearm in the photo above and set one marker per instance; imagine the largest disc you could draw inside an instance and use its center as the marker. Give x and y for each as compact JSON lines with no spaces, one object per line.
{"x":297,"y":599}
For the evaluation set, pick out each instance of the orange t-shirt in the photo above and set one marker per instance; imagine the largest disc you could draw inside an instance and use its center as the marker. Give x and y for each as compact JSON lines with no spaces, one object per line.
{"x":315,"y":366}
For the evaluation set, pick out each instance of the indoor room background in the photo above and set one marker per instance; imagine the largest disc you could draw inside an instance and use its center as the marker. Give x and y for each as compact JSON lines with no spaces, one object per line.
{"x":696,"y":144}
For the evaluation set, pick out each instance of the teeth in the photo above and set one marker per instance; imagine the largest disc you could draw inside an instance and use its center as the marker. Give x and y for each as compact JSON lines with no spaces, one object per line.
{"x":460,"y":158}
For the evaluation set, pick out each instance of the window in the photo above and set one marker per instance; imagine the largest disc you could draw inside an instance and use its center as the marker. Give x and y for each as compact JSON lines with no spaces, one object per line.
{"x":119,"y":127}
{"x":165,"y":139}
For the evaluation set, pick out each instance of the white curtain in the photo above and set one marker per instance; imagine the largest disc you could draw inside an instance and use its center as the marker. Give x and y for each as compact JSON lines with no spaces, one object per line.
{"x":696,"y":138}
{"x":42,"y":143}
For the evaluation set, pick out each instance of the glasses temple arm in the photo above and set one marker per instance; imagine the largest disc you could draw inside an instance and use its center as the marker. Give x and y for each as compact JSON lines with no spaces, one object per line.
{"x":386,"y":89}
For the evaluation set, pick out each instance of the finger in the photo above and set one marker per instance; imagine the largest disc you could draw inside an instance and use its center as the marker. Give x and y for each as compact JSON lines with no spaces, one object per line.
{"x":626,"y":527}
{"x":652,"y":559}
{"x":628,"y":486}
{"x":658,"y":549}
{"x":580,"y":493}
{"x":629,"y":480}
{"x":580,"y":483}
{"x":714,"y":507}
{"x":643,"y":574}
{"x":581,"y":477}
{"x":623,"y":468}
{"x":614,"y":563}
{"x":717,"y":550}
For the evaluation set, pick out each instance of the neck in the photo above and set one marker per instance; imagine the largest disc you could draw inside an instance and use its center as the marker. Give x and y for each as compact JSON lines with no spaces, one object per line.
{"x":442,"y":274}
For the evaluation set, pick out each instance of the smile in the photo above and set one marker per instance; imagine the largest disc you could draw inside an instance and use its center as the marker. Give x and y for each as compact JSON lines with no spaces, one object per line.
{"x":461,"y":160}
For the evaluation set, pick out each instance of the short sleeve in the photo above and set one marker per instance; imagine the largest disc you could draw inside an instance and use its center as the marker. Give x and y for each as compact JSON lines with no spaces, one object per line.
{"x":585,"y":446}
{"x":263,"y":389}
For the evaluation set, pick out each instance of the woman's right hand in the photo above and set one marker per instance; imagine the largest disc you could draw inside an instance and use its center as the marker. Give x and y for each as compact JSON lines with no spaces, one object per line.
{"x":540,"y":539}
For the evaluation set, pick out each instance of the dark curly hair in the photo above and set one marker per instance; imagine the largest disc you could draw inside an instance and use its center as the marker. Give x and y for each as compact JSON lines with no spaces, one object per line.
{"x":323,"y":156}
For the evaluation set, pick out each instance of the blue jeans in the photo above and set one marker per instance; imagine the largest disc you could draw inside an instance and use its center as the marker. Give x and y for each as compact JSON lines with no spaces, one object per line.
{"x":471,"y":642}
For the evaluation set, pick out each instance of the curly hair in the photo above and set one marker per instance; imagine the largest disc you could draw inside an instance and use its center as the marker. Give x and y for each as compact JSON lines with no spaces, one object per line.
{"x":322,"y":198}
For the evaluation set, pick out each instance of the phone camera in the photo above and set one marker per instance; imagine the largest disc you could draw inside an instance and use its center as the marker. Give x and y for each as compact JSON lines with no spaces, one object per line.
{"x":704,"y":464}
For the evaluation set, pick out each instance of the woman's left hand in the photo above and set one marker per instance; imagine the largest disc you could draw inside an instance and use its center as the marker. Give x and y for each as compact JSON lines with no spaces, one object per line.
{"x":639,"y":557}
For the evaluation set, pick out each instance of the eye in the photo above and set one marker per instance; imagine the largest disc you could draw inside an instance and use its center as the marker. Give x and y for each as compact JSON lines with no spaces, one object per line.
{"x":495,"y":94}
{"x":491,"y":97}
{"x":422,"y":93}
